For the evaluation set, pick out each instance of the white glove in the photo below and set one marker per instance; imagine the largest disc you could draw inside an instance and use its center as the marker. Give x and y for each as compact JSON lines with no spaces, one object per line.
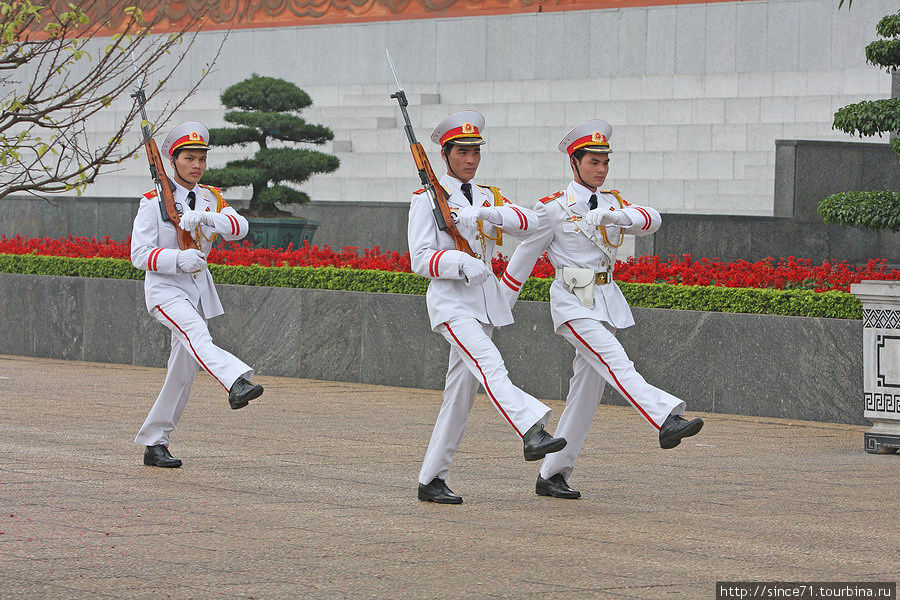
{"x":191,"y":218}
{"x":474,"y":271}
{"x":191,"y":261}
{"x":468,"y":215}
{"x":607,"y":216}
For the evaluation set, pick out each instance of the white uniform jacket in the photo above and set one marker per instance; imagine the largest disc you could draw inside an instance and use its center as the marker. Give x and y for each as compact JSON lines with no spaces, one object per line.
{"x":154,"y":249}
{"x":433,"y":255}
{"x":566,"y":246}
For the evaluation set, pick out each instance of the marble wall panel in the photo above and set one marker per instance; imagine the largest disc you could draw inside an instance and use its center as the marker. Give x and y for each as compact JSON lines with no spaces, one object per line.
{"x":789,"y":367}
{"x":329,"y":345}
{"x":17,"y":315}
{"x":109,"y":336}
{"x":58,"y":316}
{"x":268,"y":320}
{"x":397,"y":345}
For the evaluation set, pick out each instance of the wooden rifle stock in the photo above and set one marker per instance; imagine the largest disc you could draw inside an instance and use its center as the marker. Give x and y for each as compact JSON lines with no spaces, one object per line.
{"x":161,"y":180}
{"x":439,"y":199}
{"x":167,"y":197}
{"x":434,"y":189}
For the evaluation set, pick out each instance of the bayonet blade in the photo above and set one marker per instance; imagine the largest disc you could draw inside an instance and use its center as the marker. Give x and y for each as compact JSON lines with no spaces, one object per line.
{"x":393,"y":70}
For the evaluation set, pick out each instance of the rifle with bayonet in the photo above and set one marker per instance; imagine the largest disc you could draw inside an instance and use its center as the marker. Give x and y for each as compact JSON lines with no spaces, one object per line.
{"x":433,"y":188}
{"x":160,"y":179}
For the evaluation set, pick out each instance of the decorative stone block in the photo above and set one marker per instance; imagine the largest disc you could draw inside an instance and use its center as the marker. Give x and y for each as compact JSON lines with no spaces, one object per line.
{"x":280,"y":232}
{"x":881,"y":363}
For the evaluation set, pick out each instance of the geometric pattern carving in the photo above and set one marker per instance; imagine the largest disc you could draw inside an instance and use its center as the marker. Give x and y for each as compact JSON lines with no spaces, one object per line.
{"x":881,"y":318}
{"x":881,"y":378}
{"x":881,"y":443}
{"x":883,"y":403}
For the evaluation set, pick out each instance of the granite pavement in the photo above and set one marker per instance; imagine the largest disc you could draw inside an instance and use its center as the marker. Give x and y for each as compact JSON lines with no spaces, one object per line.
{"x":310,"y":493}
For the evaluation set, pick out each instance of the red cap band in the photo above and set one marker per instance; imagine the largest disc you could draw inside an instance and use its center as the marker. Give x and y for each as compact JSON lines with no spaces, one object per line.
{"x":467,"y":130}
{"x":596,"y":139}
{"x":193,"y":139}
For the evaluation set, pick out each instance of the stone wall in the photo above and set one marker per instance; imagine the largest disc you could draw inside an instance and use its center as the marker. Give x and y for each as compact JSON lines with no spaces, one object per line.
{"x":791,"y":367}
{"x":806,"y":172}
{"x":697,"y":95}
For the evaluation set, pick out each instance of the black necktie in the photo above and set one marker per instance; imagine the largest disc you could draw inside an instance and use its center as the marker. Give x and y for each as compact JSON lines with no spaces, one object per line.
{"x":467,"y":191}
{"x":592,"y":203}
{"x":191,"y":199}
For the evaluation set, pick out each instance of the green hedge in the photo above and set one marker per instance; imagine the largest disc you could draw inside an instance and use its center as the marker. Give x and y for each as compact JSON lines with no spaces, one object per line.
{"x":804,"y":303}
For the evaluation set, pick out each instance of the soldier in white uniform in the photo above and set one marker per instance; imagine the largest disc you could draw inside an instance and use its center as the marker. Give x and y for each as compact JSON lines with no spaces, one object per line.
{"x":581,"y":228}
{"x":465,"y":303}
{"x":179,"y":289}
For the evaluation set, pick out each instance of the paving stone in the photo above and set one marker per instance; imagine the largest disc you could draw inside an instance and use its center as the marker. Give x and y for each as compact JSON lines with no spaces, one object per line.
{"x":310,"y":493}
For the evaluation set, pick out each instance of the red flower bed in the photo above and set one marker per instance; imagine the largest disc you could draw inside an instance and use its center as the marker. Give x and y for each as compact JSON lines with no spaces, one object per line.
{"x":227,"y":254}
{"x":783,"y":273}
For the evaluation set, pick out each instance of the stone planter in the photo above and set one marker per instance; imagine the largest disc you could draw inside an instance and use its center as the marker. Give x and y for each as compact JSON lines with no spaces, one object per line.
{"x":881,"y":363}
{"x":279,"y":232}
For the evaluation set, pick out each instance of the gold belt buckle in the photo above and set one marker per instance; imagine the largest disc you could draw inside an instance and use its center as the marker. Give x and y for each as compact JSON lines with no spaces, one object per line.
{"x":602,"y":278}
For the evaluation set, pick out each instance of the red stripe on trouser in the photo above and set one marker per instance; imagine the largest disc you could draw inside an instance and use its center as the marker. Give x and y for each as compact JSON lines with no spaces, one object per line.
{"x":487,"y":388}
{"x":508,"y":284}
{"x":512,"y":279}
{"x":613,"y":375}
{"x":197,"y":356}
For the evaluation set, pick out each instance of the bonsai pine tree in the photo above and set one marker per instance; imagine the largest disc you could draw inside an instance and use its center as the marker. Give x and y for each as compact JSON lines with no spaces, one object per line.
{"x":874,"y":210}
{"x":268,"y":111}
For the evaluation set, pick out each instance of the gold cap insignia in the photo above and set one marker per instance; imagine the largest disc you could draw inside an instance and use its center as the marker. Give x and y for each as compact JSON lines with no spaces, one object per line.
{"x":598,"y":138}
{"x":468,"y":128}
{"x":194,"y":136}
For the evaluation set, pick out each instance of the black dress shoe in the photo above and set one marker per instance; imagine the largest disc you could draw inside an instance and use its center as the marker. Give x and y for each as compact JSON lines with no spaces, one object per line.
{"x":538,"y":443}
{"x":676,"y":427}
{"x":556,"y":487}
{"x":242,"y":392}
{"x":437,"y":491}
{"x":158,"y":456}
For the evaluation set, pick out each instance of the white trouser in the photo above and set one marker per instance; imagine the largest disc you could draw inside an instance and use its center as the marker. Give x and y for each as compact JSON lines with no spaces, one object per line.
{"x":192,"y":347}
{"x":599,"y":359}
{"x":474,"y":360}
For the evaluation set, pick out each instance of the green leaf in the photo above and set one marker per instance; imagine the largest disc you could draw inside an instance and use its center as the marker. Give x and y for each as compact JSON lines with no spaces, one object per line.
{"x":869,"y":117}
{"x":877,"y":211}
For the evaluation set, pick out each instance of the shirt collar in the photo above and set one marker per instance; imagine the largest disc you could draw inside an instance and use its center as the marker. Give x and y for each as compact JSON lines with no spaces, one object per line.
{"x":581,"y":194}
{"x":453,"y":186}
{"x":180,"y":192}
{"x":581,"y":191}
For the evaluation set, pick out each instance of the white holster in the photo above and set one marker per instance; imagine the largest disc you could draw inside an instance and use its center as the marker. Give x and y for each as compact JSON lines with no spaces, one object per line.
{"x":580,"y":282}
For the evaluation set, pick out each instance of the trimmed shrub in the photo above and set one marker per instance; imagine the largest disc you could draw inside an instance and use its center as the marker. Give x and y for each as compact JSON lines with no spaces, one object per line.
{"x":797,"y":302}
